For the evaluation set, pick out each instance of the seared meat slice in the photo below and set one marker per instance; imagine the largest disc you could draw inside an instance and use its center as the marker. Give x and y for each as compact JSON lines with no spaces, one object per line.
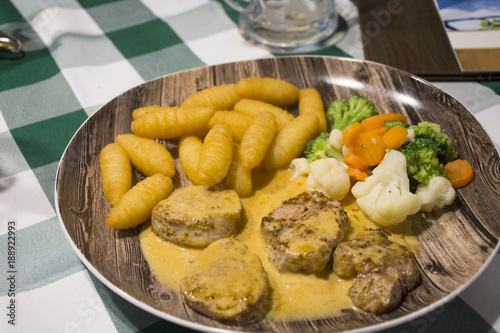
{"x":227,"y":282}
{"x":351,"y":259}
{"x":385,"y":270}
{"x":195,"y":216}
{"x":303,"y":232}
{"x":377,"y":292}
{"x":372,"y":249}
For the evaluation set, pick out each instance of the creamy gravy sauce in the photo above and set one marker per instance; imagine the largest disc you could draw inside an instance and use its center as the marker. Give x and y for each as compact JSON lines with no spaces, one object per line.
{"x":294,"y":296}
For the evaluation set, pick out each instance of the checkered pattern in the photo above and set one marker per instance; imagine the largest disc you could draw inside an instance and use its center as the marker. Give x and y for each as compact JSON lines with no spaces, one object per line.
{"x":79,"y":55}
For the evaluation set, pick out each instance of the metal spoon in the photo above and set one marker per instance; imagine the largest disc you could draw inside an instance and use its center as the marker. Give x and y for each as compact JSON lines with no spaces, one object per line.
{"x":10,"y":47}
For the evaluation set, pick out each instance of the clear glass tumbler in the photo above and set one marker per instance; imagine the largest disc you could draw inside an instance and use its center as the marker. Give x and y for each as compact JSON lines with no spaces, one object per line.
{"x":289,"y":26}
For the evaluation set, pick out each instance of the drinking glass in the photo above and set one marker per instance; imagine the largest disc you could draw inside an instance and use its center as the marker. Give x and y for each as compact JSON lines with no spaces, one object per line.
{"x":289,"y":26}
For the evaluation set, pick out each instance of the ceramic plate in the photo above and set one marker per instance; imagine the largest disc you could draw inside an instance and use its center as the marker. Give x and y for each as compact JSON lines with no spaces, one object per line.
{"x":456,"y":244}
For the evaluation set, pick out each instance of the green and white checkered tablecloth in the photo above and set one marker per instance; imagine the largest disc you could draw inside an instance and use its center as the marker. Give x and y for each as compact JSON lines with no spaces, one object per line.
{"x":79,"y":55}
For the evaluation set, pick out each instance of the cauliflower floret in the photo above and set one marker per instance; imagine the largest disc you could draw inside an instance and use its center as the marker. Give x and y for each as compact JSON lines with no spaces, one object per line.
{"x":385,"y":195}
{"x":300,"y":167}
{"x":330,"y":177}
{"x":411,"y":134}
{"x":336,"y":139}
{"x":437,"y":194}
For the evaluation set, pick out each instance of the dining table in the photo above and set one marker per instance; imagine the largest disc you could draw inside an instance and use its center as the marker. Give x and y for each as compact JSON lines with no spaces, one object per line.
{"x":76,"y":56}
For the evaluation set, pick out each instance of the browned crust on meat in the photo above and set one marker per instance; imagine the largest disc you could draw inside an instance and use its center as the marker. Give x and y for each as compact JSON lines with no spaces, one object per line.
{"x":227,"y":282}
{"x":384,"y":271}
{"x":196,"y":216}
{"x":303,"y":232}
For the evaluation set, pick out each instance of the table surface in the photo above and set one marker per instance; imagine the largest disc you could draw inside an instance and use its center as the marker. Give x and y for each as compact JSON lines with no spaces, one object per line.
{"x":81,"y":54}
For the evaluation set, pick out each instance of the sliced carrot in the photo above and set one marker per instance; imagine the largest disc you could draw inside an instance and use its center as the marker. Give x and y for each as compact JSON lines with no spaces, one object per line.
{"x":459,"y":173}
{"x":388,"y":117}
{"x":370,"y":148}
{"x":373,"y":122}
{"x":355,"y":162}
{"x":395,"y":137}
{"x":351,"y":133}
{"x":356,"y":174}
{"x":379,"y":131}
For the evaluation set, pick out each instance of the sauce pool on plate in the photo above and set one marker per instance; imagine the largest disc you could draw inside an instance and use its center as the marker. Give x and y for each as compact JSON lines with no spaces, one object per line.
{"x":294,"y":295}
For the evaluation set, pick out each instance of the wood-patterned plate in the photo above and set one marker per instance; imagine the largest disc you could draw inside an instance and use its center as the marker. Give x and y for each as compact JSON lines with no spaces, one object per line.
{"x":456,"y":244}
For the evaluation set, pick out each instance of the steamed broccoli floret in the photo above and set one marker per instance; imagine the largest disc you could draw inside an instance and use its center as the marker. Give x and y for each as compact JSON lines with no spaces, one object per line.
{"x":320,"y":147}
{"x":342,"y":113}
{"x":445,"y":150}
{"x":422,"y":162}
{"x":426,"y":155}
{"x":391,"y":124}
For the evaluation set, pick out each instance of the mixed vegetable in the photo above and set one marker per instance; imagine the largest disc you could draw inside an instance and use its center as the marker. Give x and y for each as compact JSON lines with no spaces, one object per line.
{"x":393,"y":169}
